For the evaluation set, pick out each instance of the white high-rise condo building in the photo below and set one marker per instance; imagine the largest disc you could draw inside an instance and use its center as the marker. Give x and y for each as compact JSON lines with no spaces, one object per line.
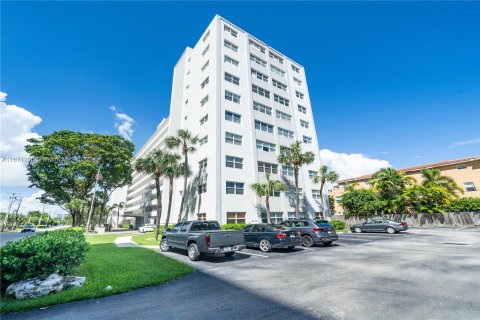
{"x":244,"y":100}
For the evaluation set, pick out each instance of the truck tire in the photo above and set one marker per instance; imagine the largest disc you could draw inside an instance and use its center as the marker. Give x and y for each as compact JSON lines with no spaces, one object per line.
{"x":193,"y":253}
{"x":164,"y":247}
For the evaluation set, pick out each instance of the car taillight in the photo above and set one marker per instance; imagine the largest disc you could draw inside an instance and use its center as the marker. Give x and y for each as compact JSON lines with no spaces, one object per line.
{"x":403,"y":224}
{"x":207,"y":240}
{"x":281,"y":235}
{"x":318,"y":230}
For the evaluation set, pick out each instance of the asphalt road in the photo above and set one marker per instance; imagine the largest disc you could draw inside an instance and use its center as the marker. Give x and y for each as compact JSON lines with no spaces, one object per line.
{"x":14,"y":236}
{"x":423,"y":274}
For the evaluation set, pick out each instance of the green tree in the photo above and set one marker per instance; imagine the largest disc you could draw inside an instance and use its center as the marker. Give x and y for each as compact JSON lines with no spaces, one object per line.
{"x":331,"y":204}
{"x":361,"y":202}
{"x":153,"y":164}
{"x":267,"y":189}
{"x":64,"y":165}
{"x":325,"y":175}
{"x":172,"y":170}
{"x":293,"y":156}
{"x":427,"y":199}
{"x":469,"y":204}
{"x":390,"y":186}
{"x":434,"y":177}
{"x":186,"y":142}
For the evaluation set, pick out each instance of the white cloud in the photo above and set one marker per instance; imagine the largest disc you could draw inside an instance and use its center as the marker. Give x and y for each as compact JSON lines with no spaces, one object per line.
{"x":16,"y":125}
{"x":464,"y":143}
{"x":123,"y":123}
{"x":30,"y":203}
{"x":351,"y":165}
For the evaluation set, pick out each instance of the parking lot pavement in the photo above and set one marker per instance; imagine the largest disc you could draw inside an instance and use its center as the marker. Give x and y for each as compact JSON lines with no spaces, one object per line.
{"x":420,"y":274}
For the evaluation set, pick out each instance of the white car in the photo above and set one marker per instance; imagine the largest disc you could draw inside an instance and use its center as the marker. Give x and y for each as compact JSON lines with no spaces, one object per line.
{"x":146,"y":228}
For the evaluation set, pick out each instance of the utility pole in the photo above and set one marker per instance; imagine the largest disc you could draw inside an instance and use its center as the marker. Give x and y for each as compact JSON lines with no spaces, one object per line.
{"x":98,"y":177}
{"x":14,"y":223}
{"x":12,"y":199}
{"x":41,"y":214}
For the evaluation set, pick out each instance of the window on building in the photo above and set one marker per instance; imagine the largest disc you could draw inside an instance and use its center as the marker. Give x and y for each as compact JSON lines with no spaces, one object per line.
{"x":236,"y":217}
{"x":312,"y":174}
{"x":307,"y":140}
{"x":275,"y":217}
{"x":230,"y":30}
{"x":469,"y":186}
{"x":299,"y":94}
{"x":230,"y":60}
{"x":201,"y":216}
{"x":204,"y":100}
{"x":287,"y":171}
{"x":257,"y":60}
{"x":267,"y":167}
{"x":231,"y":78}
{"x":234,"y":117}
{"x":203,"y":140}
{"x":297,"y":81}
{"x":234,"y":187}
{"x":262,"y":108}
{"x":205,"y":50}
{"x":283,"y":116}
{"x":301,"y":214}
{"x":259,"y":75}
{"x":230,"y":96}
{"x":296,"y":69}
{"x":461,"y":167}
{"x":202,"y":164}
{"x":202,"y":188}
{"x":316,"y":194}
{"x":206,"y":36}
{"x":286,"y":133}
{"x":257,"y":46}
{"x":259,"y":125}
{"x":291,"y":192}
{"x":260,"y":91}
{"x":279,"y":85}
{"x":233,"y":138}
{"x":205,"y":65}
{"x":275,"y":57}
{"x":204,"y":83}
{"x":266,"y":146}
{"x":230,"y":45}
{"x":304,"y":124}
{"x":281,"y":100}
{"x":302,"y":109}
{"x":204,"y":120}
{"x":234,"y":162}
{"x":277,"y":71}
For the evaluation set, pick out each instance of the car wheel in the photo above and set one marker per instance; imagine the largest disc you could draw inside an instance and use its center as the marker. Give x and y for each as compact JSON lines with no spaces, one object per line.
{"x":357,"y":230}
{"x":229,"y":254}
{"x":328,"y":243}
{"x":164,"y":247}
{"x":193,"y":253}
{"x":307,"y":241}
{"x":391,"y":230}
{"x":265,"y":245}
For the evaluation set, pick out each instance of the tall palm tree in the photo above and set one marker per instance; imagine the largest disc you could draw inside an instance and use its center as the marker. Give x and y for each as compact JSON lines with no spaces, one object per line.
{"x":186,"y":142}
{"x":119,"y":206}
{"x":390,"y":185}
{"x":153,"y":164}
{"x":294,"y":156}
{"x":267,"y":189}
{"x":172,"y":169}
{"x":325,"y":175}
{"x":434,"y":177}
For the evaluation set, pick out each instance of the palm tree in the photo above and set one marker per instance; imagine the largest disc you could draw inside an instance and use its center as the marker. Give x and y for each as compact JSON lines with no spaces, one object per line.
{"x":294,"y":156}
{"x":153,"y":164}
{"x":390,"y":185}
{"x":434,"y":177}
{"x":325,"y":175}
{"x":186,"y":142}
{"x":267,"y":189}
{"x":172,"y":170}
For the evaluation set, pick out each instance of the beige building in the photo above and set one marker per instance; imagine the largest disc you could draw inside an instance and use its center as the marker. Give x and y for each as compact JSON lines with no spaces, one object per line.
{"x":465,"y":172}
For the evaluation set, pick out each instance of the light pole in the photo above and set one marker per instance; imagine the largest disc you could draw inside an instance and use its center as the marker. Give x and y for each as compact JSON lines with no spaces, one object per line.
{"x":98,"y":177}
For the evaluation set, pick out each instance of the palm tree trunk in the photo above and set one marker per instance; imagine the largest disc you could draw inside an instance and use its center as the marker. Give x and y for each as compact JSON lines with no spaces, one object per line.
{"x":321,"y":197}
{"x":159,"y":207}
{"x":185,"y":168}
{"x":297,"y":196}
{"x":170,"y":192}
{"x":267,"y":206}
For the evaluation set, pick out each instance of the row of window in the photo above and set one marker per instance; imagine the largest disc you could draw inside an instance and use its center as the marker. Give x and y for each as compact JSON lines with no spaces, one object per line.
{"x":237,"y":139}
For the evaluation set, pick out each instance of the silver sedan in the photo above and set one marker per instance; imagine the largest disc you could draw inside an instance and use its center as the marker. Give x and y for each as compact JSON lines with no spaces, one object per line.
{"x":379,"y":225}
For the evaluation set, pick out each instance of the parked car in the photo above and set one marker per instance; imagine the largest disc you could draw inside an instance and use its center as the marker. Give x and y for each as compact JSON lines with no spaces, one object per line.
{"x":267,"y":237}
{"x":146,"y":228}
{"x":313,"y":232}
{"x":28,"y":228}
{"x":199,"y":237}
{"x":379,"y":225}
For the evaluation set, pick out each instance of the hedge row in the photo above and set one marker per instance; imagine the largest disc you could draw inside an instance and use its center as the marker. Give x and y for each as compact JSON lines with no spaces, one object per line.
{"x":233,"y":226}
{"x":339,"y":225}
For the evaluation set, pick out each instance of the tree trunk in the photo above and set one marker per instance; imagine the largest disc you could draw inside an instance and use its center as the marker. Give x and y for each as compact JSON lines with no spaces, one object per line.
{"x":159,"y":207}
{"x":267,"y":206}
{"x":185,"y":168}
{"x":297,"y":196}
{"x":321,"y":197}
{"x":170,"y":192}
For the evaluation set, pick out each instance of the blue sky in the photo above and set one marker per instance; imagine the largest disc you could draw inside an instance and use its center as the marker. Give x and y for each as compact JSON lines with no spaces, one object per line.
{"x":398,"y":81}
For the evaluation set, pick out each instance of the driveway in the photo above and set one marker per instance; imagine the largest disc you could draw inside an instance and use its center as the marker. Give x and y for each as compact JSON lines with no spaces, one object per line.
{"x":422,"y":274}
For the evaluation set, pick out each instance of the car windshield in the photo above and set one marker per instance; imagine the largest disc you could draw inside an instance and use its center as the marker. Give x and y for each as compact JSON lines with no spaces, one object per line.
{"x":207,"y":225}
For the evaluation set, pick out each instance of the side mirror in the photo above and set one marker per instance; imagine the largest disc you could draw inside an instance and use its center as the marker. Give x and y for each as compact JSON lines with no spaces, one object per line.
{"x":169,"y":229}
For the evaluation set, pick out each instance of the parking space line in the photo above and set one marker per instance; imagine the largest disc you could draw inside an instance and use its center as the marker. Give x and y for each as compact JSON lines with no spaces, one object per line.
{"x":252,"y":254}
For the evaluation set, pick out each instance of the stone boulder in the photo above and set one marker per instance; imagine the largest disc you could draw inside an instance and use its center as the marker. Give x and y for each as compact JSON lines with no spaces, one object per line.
{"x":37,"y":287}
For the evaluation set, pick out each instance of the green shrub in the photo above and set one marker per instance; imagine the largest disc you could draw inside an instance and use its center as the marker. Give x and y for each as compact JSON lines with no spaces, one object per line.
{"x":19,"y":227}
{"x":234,"y":226}
{"x":126,"y":226}
{"x":48,"y":252}
{"x":41,"y":226}
{"x":339,"y":225}
{"x":464,"y":205}
{"x":161,"y":228}
{"x":81,"y":229}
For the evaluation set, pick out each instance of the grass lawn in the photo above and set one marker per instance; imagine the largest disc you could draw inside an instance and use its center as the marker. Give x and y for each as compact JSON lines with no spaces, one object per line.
{"x":146,"y":239}
{"x":105,"y":265}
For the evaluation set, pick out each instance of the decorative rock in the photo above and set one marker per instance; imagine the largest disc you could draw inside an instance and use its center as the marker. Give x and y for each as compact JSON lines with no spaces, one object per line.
{"x":37,"y":287}
{"x":108,"y":288}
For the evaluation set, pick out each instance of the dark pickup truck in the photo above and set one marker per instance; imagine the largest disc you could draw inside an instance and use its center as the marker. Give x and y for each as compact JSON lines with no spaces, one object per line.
{"x":201,"y":236}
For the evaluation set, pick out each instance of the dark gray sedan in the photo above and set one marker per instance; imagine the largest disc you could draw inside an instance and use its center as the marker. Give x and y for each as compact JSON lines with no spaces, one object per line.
{"x":379,"y":225}
{"x":267,"y":237}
